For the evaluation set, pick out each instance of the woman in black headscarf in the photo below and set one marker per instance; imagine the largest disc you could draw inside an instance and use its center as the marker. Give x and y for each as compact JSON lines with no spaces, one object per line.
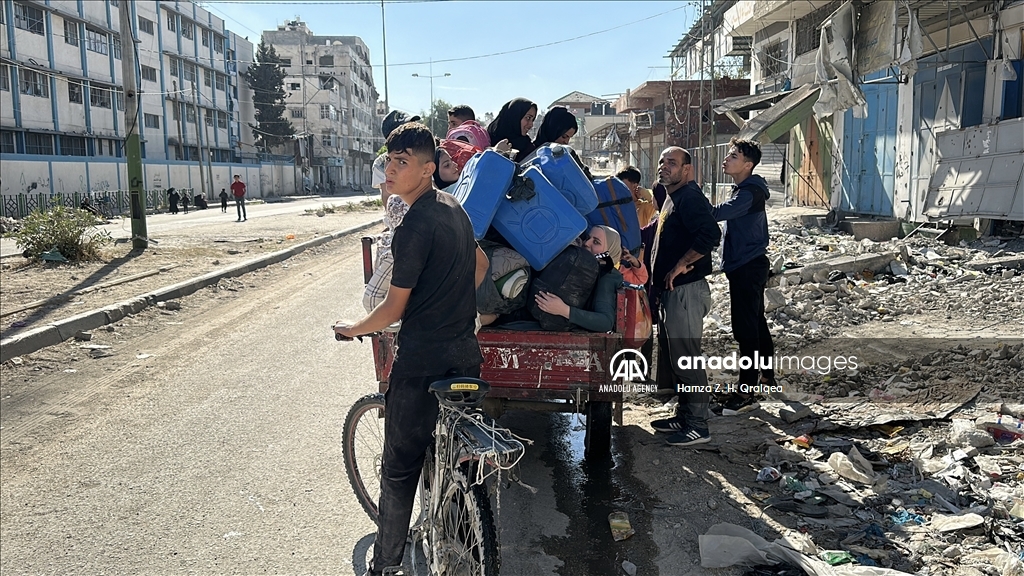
{"x":513,"y":123}
{"x":559,"y":126}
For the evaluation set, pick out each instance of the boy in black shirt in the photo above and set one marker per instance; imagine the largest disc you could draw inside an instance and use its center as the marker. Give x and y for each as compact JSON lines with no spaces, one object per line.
{"x":433,"y":292}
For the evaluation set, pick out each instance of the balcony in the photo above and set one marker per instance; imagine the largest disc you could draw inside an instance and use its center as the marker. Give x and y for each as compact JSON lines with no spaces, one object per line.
{"x":747,"y":17}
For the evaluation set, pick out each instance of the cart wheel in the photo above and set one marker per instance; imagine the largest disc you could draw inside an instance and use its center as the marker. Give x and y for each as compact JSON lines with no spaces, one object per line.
{"x":597,"y":442}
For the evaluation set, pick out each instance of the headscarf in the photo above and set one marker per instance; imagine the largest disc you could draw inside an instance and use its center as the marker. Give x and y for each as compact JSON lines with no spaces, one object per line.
{"x":460,"y":152}
{"x":556,"y":122}
{"x":614,"y":244}
{"x":507,"y":126}
{"x":471,"y":131}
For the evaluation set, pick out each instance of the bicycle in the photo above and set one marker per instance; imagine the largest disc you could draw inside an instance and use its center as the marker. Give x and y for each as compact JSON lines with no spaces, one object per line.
{"x":455,"y":523}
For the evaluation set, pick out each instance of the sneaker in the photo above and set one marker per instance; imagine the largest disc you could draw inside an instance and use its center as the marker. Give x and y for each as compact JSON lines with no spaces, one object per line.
{"x":668,"y":425}
{"x":737,"y":404}
{"x":689,"y":437}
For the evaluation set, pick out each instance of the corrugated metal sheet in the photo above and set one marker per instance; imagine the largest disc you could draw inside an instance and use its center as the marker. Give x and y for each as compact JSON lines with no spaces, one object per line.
{"x":979,"y":173}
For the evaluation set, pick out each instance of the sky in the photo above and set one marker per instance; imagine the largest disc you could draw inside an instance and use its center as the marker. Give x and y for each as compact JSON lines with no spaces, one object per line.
{"x":625,"y":44}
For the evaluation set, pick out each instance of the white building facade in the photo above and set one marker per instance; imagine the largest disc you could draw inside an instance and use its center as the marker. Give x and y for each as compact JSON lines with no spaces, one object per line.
{"x":62,"y":121}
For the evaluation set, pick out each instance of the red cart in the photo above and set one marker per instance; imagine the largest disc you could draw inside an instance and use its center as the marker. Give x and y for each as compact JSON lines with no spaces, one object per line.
{"x":541,"y":370}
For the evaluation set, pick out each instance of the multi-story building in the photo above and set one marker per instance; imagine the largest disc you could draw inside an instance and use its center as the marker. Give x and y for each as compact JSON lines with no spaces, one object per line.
{"x":331,"y":100}
{"x":910,"y":110}
{"x":62,"y":121}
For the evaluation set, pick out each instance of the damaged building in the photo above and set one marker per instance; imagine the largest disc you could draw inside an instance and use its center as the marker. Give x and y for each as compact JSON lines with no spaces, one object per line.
{"x":905,"y":111}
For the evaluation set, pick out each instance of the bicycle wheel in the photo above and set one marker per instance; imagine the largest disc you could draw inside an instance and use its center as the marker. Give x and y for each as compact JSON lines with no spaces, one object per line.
{"x":463,"y":537}
{"x":362,"y":446}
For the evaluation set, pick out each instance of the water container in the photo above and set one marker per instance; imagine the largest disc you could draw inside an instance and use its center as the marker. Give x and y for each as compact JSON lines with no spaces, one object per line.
{"x":541,"y":227}
{"x":558,"y":166}
{"x":481,"y":186}
{"x":617,"y":210}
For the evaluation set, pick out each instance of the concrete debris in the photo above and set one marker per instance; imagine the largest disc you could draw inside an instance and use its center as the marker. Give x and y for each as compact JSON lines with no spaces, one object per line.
{"x":83,"y":336}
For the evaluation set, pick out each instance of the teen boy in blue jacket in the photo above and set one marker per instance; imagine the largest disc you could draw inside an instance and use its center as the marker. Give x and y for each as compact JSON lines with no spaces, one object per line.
{"x":745,"y":263}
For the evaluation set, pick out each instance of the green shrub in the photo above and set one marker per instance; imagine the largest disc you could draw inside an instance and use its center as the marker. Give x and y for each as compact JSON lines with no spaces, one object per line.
{"x":70,"y":230}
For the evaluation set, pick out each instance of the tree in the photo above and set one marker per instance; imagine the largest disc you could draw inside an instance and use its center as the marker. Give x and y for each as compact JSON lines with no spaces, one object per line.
{"x":437,"y":120}
{"x":266,"y":79}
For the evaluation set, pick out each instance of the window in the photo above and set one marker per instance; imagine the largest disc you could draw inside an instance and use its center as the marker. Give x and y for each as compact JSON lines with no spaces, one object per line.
{"x":151,"y":121}
{"x":95,"y":40}
{"x":34,"y":83}
{"x":38,"y":143}
{"x":75,"y":91}
{"x":190,"y":72}
{"x":209,"y":117}
{"x":71,"y":32}
{"x":286,"y":62}
{"x":175,"y":113}
{"x":774,"y":59}
{"x":7,"y":143}
{"x":148,"y":73}
{"x":114,"y":3}
{"x":145,"y":25}
{"x":326,"y":83}
{"x":172,"y":63}
{"x":172,"y":22}
{"x":119,"y":99}
{"x":327,"y":61}
{"x":188,"y":29}
{"x":328,"y":111}
{"x":205,"y":35}
{"x":207,"y":77}
{"x":222,"y":120}
{"x":99,"y":97}
{"x":5,"y":77}
{"x":294,"y":86}
{"x":297,"y":113}
{"x":218,"y":44}
{"x":29,"y":18}
{"x":190,"y":114}
{"x":72,"y":146}
{"x":221,"y":81}
{"x":115,"y":46}
{"x":327,"y":140}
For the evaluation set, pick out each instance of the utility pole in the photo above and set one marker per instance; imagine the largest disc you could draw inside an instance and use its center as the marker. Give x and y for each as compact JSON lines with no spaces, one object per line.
{"x":133,"y":148}
{"x":178,"y":111}
{"x":199,"y":138}
{"x":384,"y":38}
{"x":711,"y":114}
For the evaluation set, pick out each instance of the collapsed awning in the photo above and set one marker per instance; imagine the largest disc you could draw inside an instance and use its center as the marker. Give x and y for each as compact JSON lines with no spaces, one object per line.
{"x":732,"y":106}
{"x":979,"y":173}
{"x":776,"y":122}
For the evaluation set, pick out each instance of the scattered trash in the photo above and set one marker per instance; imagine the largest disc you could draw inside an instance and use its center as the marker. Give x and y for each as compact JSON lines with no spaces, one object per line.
{"x":629,"y":568}
{"x":53,"y":255}
{"x":951,"y":523}
{"x":83,"y":336}
{"x":903,"y":517}
{"x":852,"y":467}
{"x":143,"y":356}
{"x":836,"y":557}
{"x":619,"y":523}
{"x":289,"y":237}
{"x":768,"y":474}
{"x":19,"y":324}
{"x":803,"y":441}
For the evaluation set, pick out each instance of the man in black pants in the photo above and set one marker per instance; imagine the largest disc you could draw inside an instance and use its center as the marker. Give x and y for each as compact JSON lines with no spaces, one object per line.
{"x":681,"y":259}
{"x":746,"y":266}
{"x":433,"y":292}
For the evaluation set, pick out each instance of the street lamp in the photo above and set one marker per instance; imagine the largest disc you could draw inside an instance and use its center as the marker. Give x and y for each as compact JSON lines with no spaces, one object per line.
{"x":431,"y":77}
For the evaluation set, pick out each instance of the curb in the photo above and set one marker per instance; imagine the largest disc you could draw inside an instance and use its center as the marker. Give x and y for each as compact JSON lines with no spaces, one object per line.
{"x":60,"y":330}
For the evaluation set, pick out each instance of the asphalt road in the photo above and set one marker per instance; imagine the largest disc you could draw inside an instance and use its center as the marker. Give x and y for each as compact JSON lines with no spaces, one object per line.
{"x":220,"y":453}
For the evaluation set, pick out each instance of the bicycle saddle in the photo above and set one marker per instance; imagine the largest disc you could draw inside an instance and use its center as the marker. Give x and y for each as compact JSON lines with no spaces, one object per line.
{"x":460,"y":391}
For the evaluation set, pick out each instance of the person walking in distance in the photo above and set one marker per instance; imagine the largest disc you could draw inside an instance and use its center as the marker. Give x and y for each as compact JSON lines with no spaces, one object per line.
{"x":223,"y":201}
{"x":681,"y":259}
{"x":238,"y":191}
{"x":745,"y":263}
{"x":433,"y":292}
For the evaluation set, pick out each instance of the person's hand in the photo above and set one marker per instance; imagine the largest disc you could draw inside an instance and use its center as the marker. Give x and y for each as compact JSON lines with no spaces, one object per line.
{"x":503,"y":145}
{"x":552,"y":304}
{"x":343,"y":331}
{"x":630,"y":260}
{"x":679,"y":268}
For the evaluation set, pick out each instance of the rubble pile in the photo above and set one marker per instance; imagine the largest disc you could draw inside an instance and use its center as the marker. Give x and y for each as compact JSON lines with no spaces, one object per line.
{"x":924,"y":498}
{"x":915,"y":276}
{"x":9,"y":225}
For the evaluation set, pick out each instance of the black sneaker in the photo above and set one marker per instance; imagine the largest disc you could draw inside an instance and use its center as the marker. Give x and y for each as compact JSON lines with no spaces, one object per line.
{"x":737,"y":404}
{"x":689,"y":437}
{"x":668,"y":425}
